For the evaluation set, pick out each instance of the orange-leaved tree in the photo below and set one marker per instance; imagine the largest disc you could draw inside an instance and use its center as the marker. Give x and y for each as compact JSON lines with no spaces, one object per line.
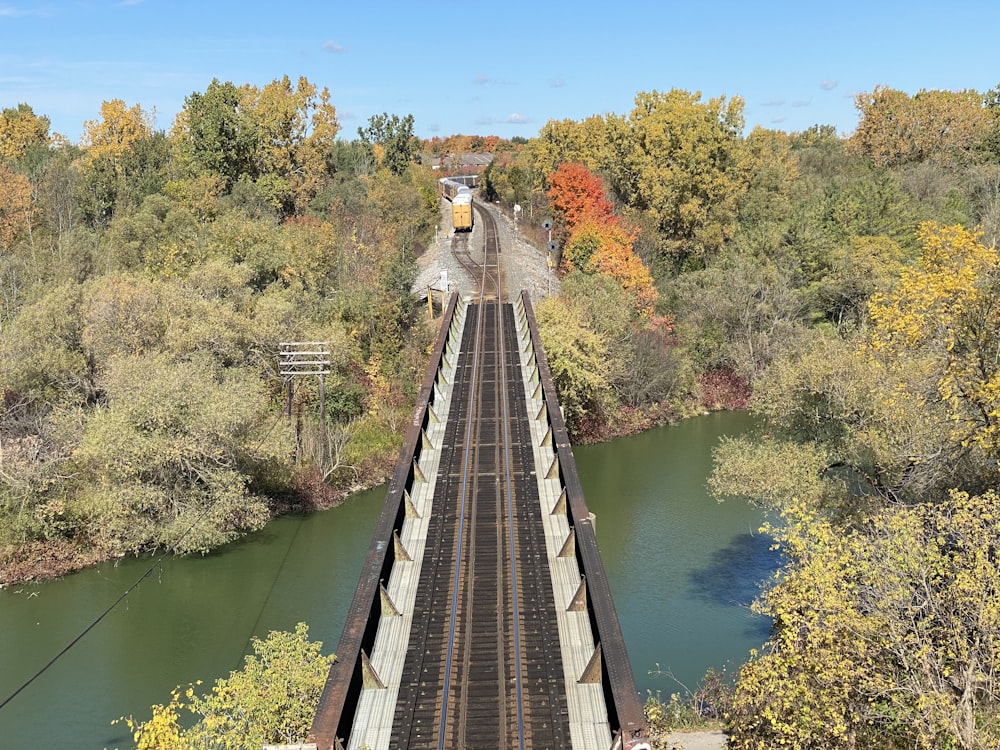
{"x":606,"y":248}
{"x":15,"y":205}
{"x":577,"y":194}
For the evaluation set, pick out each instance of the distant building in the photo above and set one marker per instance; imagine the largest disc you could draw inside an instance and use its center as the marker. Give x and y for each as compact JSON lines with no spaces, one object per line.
{"x":459,"y":163}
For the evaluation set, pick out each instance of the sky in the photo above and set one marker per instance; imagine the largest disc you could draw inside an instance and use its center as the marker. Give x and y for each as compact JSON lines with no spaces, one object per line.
{"x":503,"y":68}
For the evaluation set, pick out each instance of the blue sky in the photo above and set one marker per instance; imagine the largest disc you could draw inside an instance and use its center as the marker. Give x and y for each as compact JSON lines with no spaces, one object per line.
{"x":460,"y":69}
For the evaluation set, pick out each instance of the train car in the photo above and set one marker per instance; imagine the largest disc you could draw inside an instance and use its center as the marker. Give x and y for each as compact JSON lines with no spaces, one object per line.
{"x":460,"y":196}
{"x":461,"y":211}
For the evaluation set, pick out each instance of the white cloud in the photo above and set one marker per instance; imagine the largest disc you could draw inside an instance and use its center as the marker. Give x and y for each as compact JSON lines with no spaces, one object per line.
{"x":332,"y":46}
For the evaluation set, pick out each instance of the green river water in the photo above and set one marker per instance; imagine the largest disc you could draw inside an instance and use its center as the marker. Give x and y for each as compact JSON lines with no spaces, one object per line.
{"x":682,"y":567}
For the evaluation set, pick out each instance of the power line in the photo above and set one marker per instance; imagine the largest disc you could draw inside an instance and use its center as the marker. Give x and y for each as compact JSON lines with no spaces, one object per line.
{"x":129,"y":590}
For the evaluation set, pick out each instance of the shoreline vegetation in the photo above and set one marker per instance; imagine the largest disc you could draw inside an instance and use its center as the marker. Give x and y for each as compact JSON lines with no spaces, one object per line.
{"x":41,"y":561}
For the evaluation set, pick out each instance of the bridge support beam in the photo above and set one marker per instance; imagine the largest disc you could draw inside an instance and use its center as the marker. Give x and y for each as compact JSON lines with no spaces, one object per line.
{"x":369,"y":678}
{"x":593,"y":674}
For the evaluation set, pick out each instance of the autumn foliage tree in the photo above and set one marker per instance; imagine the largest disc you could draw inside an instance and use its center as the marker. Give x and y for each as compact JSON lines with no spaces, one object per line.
{"x":20,"y":130}
{"x":575,"y":193}
{"x":15,"y":205}
{"x":276,"y":138}
{"x":271,"y":700}
{"x":595,"y":242}
{"x":606,"y":248}
{"x":882,"y":455}
{"x":886,"y":633}
{"x":681,"y":162}
{"x":944,"y":126}
{"x":944,"y":313}
{"x":120,"y":126}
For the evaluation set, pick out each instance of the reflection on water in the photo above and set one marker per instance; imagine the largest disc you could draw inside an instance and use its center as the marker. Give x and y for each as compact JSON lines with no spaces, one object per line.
{"x":682,"y":568}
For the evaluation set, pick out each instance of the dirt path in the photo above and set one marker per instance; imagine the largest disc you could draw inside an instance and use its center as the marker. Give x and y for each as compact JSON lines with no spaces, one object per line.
{"x":697,"y":741}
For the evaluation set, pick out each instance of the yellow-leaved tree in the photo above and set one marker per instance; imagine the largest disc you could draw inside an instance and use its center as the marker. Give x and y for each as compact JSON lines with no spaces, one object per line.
{"x":946,"y":311}
{"x":886,"y":633}
{"x":15,"y":205}
{"x":20,"y":130}
{"x":119,"y":127}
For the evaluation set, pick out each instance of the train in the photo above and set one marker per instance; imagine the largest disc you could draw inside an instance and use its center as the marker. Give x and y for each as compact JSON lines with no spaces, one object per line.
{"x":460,"y":196}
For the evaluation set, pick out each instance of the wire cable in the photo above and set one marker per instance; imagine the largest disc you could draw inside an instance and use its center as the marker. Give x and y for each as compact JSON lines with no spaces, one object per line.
{"x":129,"y":590}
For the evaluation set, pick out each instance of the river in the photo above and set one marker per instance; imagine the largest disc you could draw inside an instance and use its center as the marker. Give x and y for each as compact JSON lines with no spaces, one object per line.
{"x":682,"y":567}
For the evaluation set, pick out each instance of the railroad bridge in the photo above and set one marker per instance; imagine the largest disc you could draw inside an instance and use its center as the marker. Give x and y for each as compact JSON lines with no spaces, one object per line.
{"x":483,"y":616}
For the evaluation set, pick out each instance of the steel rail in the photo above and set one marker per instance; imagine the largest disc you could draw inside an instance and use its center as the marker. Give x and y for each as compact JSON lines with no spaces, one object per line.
{"x":490,"y":280}
{"x":474,"y":392}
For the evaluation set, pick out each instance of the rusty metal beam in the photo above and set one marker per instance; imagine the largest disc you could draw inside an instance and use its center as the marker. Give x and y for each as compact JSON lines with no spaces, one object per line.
{"x":347,"y":675}
{"x":624,"y":706}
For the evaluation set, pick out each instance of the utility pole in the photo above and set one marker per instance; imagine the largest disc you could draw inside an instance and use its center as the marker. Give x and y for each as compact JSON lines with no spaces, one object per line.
{"x":547,"y":226}
{"x":298,"y":358}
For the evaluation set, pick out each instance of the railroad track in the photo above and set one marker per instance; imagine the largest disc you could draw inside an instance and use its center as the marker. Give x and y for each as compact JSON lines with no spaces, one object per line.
{"x":482,"y":265}
{"x":483,"y":668}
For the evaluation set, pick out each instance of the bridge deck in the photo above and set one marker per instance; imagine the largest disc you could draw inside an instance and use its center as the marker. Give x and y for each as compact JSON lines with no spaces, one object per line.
{"x":527,"y":670}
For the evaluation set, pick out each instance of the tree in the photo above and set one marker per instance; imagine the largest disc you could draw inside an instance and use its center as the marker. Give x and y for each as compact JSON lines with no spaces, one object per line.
{"x":886,"y":633}
{"x":391,"y":140}
{"x":577,"y":194}
{"x":570,"y":142}
{"x":944,"y":314}
{"x":857,"y":270}
{"x":278,"y":138}
{"x":578,"y":360}
{"x":738,"y":314}
{"x":218,"y":135}
{"x":943,"y":126}
{"x":20,"y":131}
{"x":116,"y":131}
{"x":119,"y":174}
{"x":683,"y":163}
{"x":15,"y":206}
{"x":605,"y":248}
{"x":297,"y":127}
{"x":170,"y":460}
{"x":270,"y":701}
{"x":41,"y":352}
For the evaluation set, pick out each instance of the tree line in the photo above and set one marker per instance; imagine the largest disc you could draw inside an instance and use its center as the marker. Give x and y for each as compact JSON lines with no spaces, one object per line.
{"x":147,"y":280}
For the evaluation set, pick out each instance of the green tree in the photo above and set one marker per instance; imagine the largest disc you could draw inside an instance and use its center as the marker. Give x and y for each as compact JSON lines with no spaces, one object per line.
{"x":216,"y":132}
{"x":170,"y":460}
{"x":391,"y":141}
{"x":41,"y":353}
{"x":115,"y":178}
{"x":578,"y":360}
{"x":739,"y":314}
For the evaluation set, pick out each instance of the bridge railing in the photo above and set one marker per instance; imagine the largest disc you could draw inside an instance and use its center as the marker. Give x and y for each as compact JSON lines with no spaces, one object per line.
{"x":335,"y":714}
{"x":625,"y":711}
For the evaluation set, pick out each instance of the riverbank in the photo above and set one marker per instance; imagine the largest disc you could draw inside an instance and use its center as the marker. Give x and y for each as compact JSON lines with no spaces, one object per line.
{"x":47,"y":560}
